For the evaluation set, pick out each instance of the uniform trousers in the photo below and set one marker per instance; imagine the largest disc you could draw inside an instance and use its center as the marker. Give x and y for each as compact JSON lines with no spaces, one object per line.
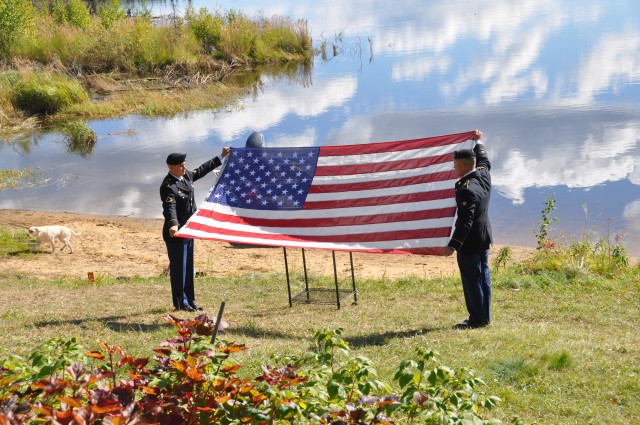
{"x":476,"y":283}
{"x":180,"y":251}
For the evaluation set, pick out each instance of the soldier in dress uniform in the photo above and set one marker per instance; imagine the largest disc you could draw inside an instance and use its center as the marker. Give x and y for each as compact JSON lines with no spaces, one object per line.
{"x":471,"y":237}
{"x":178,"y":205}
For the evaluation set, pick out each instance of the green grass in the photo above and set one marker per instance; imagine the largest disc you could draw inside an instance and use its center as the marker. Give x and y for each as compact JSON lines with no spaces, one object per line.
{"x":558,"y":352}
{"x":43,"y":93}
{"x":12,"y":241}
{"x":79,"y":138}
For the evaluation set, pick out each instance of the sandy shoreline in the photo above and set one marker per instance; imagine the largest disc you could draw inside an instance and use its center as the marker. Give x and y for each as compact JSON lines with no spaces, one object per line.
{"x":127,"y":246}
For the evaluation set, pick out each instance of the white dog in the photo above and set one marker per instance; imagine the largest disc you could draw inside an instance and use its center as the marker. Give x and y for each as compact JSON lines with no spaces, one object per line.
{"x":49,"y":234}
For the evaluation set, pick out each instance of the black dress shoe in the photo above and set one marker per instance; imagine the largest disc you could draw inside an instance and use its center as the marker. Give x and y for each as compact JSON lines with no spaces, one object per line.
{"x":186,"y":308}
{"x":462,"y":325}
{"x":470,"y":325}
{"x":196,"y":307}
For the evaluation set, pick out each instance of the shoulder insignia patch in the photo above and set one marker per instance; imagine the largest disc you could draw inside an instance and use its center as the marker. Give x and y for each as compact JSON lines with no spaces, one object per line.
{"x":169,"y":199}
{"x":464,"y":203}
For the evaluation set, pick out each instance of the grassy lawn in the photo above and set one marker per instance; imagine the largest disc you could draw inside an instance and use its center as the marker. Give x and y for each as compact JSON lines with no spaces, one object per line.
{"x":557,"y":352}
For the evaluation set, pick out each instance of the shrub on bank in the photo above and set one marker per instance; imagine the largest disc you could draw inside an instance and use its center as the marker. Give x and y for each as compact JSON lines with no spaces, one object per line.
{"x":46,"y":94}
{"x":110,"y":12}
{"x":71,"y":12}
{"x":16,"y":21}
{"x":193,"y":381}
{"x":562,"y":261}
{"x":236,"y":37}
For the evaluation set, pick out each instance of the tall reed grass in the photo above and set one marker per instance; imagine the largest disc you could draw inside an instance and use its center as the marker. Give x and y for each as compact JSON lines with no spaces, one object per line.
{"x":79,"y":138}
{"x":65,"y":33}
{"x":42,"y":93}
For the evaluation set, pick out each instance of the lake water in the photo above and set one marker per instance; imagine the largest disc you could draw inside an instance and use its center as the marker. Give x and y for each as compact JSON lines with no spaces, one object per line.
{"x":554,"y":85}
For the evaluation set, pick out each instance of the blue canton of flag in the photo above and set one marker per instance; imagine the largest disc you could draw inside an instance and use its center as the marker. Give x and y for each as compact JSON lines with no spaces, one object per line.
{"x":266,"y":179}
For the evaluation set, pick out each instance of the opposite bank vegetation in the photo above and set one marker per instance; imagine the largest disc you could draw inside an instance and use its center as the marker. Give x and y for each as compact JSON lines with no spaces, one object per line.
{"x":63,"y":62}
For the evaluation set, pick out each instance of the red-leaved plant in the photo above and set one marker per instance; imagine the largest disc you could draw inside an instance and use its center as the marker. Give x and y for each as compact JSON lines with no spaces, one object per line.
{"x":192,"y":381}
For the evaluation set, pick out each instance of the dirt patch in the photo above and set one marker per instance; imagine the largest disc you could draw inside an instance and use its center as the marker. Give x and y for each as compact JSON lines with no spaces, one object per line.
{"x":127,"y":247}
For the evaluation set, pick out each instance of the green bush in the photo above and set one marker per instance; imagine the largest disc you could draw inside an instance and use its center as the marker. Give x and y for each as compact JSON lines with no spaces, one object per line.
{"x":110,"y":13}
{"x":112,"y":49}
{"x":206,"y":28}
{"x":59,"y":12}
{"x":72,"y":12}
{"x":46,"y":94}
{"x":16,"y":20}
{"x":78,"y":14}
{"x":136,"y":45}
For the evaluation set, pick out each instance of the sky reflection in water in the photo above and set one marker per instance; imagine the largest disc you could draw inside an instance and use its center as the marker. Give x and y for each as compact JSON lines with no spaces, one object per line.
{"x":554,"y":85}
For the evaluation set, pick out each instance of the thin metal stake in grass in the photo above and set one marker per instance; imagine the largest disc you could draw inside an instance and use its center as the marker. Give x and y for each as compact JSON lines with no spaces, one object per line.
{"x":215,"y":329}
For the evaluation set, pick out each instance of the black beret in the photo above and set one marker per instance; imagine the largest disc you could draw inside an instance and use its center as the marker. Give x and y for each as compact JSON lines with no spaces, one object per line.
{"x":464,"y":153}
{"x":176,"y":158}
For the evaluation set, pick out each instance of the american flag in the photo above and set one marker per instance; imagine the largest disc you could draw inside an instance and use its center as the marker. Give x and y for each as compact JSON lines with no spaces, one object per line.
{"x":389,"y":197}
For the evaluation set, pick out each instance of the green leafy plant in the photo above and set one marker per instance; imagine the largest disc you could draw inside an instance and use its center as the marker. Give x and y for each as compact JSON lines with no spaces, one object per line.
{"x":206,"y":27}
{"x":347,"y":378}
{"x":502,"y":258}
{"x":16,"y":20}
{"x":194,"y":381}
{"x":111,"y":12}
{"x":72,"y":12}
{"x":620,"y":256}
{"x":433,"y":393}
{"x":543,"y":224}
{"x":59,"y":12}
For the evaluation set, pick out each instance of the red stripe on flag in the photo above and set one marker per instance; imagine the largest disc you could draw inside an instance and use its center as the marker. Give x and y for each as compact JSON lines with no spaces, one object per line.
{"x":436,"y":232}
{"x":383,"y":184}
{"x":381,"y":147}
{"x":378,"y":167}
{"x":380,"y":200}
{"x":330,"y":221}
